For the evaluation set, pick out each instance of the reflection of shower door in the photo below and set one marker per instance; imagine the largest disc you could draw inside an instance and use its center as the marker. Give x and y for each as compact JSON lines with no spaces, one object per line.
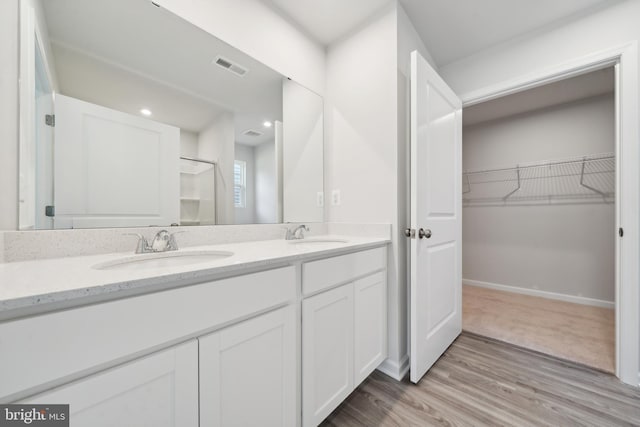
{"x":44,"y":162}
{"x":36,"y":134}
{"x":113,"y":169}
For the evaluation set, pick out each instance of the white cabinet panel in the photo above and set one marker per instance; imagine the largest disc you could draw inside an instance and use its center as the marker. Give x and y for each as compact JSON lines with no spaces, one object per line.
{"x":327,"y":352}
{"x":155,"y":391}
{"x":370,"y":325}
{"x":248,"y":373}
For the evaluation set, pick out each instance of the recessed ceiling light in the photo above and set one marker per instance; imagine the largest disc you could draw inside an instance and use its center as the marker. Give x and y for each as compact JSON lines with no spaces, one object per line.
{"x":267,"y":124}
{"x":145,"y":112}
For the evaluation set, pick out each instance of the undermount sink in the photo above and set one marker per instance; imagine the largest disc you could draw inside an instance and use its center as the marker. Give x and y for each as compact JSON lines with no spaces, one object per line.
{"x":162,"y":260}
{"x":316,"y":240}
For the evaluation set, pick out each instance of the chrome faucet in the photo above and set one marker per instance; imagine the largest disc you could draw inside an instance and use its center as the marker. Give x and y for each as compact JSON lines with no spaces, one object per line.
{"x":162,"y":242}
{"x":296,"y":233}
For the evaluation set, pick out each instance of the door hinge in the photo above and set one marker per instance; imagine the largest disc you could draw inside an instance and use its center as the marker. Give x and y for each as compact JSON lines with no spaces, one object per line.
{"x":50,"y":120}
{"x":620,"y":232}
{"x":50,"y":211}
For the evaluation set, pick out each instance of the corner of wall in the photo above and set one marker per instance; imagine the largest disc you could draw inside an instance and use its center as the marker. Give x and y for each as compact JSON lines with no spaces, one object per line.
{"x":408,"y":41}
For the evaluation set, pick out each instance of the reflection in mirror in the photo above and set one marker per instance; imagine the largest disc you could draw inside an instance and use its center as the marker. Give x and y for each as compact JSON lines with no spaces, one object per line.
{"x":159,"y":123}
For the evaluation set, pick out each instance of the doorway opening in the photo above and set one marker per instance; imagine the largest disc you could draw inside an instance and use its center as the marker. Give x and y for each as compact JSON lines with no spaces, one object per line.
{"x":540,"y":214}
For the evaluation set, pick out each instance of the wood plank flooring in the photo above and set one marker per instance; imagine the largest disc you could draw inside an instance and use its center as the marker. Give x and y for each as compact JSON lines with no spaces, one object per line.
{"x":580,"y":333}
{"x":484,"y":382}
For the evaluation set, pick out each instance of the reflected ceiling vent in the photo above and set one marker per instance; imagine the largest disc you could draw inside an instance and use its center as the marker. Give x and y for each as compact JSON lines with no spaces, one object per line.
{"x":231,"y":66}
{"x":252,"y":132}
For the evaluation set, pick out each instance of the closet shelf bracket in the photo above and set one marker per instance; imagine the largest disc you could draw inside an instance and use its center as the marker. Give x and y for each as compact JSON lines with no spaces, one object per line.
{"x":584,"y":161}
{"x":518,"y":188}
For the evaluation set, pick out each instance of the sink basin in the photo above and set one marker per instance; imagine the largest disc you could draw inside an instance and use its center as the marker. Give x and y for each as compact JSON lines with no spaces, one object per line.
{"x":316,"y":240}
{"x":162,"y":260}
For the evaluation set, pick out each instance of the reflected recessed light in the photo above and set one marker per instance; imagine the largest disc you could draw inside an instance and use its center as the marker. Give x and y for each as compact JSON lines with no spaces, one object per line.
{"x":267,"y":124}
{"x":145,"y":112}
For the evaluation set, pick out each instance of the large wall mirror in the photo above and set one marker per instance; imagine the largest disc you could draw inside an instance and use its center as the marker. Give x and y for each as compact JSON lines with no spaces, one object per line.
{"x":132,"y":116}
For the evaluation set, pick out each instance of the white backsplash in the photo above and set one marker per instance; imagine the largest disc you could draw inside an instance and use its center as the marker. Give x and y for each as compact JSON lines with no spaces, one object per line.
{"x":359,"y":230}
{"x":31,"y":245}
{"x":1,"y":246}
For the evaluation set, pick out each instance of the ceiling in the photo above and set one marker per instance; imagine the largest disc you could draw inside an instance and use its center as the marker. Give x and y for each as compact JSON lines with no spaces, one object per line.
{"x":149,"y":58}
{"x":595,"y":83}
{"x":451,"y":29}
{"x":327,"y":20}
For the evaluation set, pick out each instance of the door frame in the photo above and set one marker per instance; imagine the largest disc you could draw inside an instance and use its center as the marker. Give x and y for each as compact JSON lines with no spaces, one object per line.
{"x":627,"y":296}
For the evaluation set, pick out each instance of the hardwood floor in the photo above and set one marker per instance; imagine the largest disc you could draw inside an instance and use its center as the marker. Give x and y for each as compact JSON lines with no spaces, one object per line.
{"x":483,"y":382}
{"x":580,"y":333}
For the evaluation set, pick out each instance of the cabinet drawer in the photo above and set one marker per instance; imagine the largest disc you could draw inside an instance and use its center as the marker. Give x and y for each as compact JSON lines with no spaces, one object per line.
{"x":325,"y":273}
{"x":62,"y":345}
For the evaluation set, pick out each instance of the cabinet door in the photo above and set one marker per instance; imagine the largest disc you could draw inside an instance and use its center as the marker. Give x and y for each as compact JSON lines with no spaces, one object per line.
{"x":327,"y":352}
{"x":157,"y":390}
{"x":248,"y":373}
{"x":370,"y":324}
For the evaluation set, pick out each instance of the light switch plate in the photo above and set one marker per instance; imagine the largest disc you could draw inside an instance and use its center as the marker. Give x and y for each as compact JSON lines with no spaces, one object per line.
{"x":320,"y":199}
{"x":335,"y":198}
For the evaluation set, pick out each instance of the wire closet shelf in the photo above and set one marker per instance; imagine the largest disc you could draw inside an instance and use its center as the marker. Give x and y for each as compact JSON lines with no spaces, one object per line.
{"x":588,"y":179}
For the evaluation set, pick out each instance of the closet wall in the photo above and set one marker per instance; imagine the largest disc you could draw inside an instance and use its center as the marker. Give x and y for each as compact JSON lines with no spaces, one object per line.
{"x":562,"y":248}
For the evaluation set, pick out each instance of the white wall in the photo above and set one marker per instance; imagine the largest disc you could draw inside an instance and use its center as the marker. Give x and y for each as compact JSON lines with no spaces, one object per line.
{"x":607,"y":28}
{"x":302,"y":153}
{"x":361,"y":149}
{"x":247,"y":215}
{"x":188,"y":144}
{"x":567,"y":249}
{"x":256,"y":29}
{"x":265,"y":183}
{"x":9,"y":115}
{"x":216,"y":143}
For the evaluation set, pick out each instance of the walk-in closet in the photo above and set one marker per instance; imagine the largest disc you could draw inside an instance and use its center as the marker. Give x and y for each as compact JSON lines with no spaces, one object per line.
{"x":539,"y":218}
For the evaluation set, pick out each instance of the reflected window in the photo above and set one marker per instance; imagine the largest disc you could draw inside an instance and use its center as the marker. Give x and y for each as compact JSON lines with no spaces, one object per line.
{"x":240,"y":183}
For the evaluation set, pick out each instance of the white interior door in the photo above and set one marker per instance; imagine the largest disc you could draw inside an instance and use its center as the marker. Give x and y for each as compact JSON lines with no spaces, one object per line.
{"x":436,"y":200}
{"x":113,"y":169}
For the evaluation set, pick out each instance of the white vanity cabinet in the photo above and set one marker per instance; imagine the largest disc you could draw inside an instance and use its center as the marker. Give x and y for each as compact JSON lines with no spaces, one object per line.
{"x":159,"y":390}
{"x":248,"y":373}
{"x":277,"y":347}
{"x":344,"y":328}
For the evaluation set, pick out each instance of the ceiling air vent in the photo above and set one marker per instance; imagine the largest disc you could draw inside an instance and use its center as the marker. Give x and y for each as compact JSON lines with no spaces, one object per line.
{"x":229,"y":65}
{"x":252,"y":132}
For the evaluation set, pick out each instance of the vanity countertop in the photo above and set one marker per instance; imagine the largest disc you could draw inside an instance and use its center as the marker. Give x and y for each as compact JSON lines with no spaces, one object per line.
{"x":34,"y":287}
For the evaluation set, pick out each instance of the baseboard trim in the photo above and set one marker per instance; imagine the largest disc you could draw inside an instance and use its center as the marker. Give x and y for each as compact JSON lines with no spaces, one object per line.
{"x":395,"y":370}
{"x":539,"y":293}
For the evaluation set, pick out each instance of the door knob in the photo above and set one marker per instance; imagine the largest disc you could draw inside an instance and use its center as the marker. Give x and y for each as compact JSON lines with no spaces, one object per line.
{"x":422,"y":233}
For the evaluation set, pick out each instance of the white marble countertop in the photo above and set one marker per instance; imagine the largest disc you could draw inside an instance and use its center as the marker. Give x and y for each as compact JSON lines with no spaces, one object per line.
{"x":33,"y":287}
